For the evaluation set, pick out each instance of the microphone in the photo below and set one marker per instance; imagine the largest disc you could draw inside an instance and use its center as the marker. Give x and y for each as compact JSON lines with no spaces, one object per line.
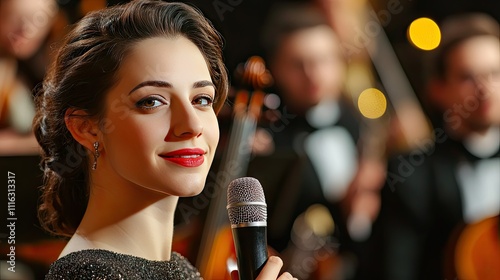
{"x":247,"y":212}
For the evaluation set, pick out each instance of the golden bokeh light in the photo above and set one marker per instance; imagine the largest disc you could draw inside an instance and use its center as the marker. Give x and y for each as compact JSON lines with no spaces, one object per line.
{"x":372,"y":103}
{"x":424,"y":33}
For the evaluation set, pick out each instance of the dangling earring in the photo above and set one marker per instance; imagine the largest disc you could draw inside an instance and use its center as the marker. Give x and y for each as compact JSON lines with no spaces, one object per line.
{"x":96,"y":155}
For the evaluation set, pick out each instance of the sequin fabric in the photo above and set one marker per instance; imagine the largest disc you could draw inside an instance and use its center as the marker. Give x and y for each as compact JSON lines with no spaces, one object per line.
{"x":103,"y":264}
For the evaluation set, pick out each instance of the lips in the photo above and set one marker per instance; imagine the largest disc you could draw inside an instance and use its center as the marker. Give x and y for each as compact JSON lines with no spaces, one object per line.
{"x":186,"y":157}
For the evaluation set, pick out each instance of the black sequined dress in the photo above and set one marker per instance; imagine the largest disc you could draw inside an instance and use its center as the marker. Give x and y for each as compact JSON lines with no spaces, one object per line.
{"x":103,"y":264}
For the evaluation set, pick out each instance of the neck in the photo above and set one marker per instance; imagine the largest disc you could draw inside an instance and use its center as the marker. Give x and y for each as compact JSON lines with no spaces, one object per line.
{"x":483,"y":145}
{"x":127,"y":219}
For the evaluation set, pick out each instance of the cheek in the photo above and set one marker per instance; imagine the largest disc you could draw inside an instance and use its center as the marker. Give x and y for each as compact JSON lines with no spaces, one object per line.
{"x":465,"y":89}
{"x":132,"y":138}
{"x":338,"y":71}
{"x":211,"y":131}
{"x":457,"y":94}
{"x":292,"y":82}
{"x":331,"y":75}
{"x":288,"y":73}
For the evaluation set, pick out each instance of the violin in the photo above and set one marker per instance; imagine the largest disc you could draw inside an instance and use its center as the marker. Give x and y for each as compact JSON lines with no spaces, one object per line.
{"x":477,"y":250}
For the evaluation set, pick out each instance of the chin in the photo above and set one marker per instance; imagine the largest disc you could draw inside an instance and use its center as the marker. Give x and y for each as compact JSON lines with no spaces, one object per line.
{"x":480,"y":125}
{"x":312,"y":102}
{"x":190,"y":187}
{"x":192,"y":194}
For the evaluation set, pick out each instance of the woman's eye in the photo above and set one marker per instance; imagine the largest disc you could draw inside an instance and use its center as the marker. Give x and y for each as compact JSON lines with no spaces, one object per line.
{"x":149,"y":103}
{"x":203,"y":101}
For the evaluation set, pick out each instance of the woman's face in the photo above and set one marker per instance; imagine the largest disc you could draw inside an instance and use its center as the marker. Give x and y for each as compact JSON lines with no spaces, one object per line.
{"x":160,"y":131}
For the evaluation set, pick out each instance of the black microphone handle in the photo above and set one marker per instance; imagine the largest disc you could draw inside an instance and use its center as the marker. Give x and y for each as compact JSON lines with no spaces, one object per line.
{"x":251,"y":250}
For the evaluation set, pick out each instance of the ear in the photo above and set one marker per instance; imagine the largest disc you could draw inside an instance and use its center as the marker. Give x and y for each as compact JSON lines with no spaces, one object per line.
{"x":83,"y":129}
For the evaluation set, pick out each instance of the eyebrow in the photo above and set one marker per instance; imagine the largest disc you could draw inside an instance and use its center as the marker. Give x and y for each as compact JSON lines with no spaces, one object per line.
{"x":163,"y":84}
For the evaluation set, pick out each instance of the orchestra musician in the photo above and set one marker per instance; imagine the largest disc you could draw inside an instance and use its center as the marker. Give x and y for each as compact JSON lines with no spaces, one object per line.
{"x":313,"y":155}
{"x":434,"y":191}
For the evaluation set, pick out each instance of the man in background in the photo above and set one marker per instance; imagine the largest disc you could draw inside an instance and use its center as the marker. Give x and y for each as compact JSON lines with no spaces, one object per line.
{"x":312,"y":155}
{"x":432,"y":193}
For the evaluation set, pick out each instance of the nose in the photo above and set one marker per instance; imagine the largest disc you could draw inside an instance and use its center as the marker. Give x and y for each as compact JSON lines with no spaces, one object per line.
{"x":185,"y":122}
{"x":311,"y":69}
{"x":308,"y":69}
{"x":483,"y":87}
{"x":487,"y":80}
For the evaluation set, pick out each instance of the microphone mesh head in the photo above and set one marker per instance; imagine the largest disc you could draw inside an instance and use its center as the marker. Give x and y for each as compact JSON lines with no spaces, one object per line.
{"x":246,"y":190}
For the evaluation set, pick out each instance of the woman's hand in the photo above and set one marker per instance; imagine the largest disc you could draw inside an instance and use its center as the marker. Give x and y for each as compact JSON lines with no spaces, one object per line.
{"x":270,"y":271}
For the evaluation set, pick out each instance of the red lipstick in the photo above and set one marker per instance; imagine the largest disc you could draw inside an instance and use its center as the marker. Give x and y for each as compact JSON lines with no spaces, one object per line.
{"x":186,"y":157}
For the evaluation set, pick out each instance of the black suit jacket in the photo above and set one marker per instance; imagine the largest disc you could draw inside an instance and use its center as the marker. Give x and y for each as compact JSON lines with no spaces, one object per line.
{"x":421,"y":212}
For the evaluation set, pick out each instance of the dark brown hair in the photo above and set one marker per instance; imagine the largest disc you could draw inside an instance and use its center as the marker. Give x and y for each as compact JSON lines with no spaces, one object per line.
{"x":84,"y":70}
{"x":286,"y":19}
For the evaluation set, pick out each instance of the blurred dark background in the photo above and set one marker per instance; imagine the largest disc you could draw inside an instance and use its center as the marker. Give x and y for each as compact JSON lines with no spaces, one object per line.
{"x":240,"y":22}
